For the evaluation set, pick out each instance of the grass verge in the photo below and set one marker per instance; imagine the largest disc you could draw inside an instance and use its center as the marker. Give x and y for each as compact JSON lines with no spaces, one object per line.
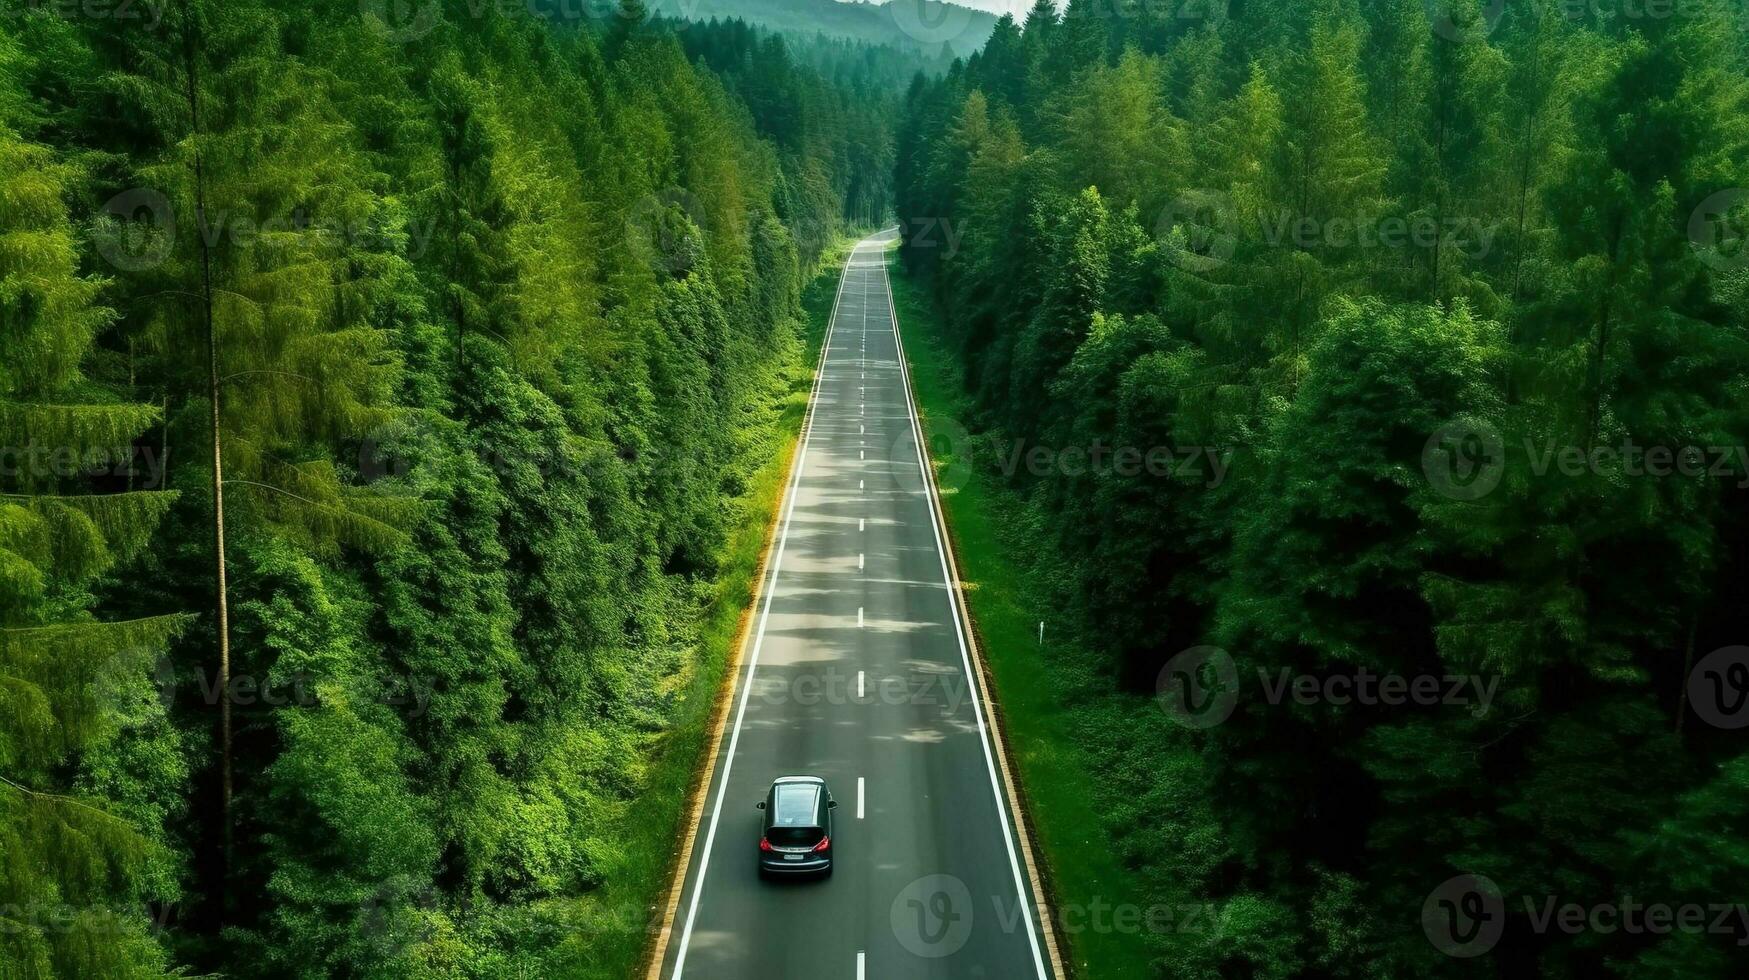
{"x":616,"y":925}
{"x":1088,"y":882}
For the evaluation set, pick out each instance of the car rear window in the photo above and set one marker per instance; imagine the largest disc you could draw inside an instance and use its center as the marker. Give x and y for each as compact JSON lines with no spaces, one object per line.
{"x":794,"y":836}
{"x":795,"y":806}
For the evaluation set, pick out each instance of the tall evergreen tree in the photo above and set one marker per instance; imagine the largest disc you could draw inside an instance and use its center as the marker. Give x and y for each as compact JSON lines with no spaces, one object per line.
{"x":77,"y":870}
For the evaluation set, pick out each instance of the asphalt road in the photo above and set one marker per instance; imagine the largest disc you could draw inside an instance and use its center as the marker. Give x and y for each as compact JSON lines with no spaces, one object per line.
{"x":858,"y":673}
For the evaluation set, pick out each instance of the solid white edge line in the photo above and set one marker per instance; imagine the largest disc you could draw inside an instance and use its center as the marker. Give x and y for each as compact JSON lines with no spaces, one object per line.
{"x":704,"y":860}
{"x":1020,"y":888}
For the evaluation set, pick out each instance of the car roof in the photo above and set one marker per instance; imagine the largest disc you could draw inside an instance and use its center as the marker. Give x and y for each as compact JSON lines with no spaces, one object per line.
{"x":797,"y":804}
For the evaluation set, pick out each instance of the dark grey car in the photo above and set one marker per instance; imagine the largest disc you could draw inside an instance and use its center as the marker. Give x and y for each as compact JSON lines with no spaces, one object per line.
{"x":796,"y":838}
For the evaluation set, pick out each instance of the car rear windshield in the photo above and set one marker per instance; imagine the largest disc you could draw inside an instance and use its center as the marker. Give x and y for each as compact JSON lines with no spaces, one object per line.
{"x":794,"y":836}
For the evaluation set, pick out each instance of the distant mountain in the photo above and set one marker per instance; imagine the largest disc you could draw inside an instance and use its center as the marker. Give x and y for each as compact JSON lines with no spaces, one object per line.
{"x":924,"y":25}
{"x":1017,"y":8}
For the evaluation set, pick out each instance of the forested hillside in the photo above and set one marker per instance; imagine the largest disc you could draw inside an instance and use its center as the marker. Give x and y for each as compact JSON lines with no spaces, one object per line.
{"x":1337,"y":340}
{"x":377,"y":392}
{"x":933,"y":29}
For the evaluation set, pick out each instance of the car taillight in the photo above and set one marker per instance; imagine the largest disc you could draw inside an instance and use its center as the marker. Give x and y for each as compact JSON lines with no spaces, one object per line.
{"x":764,"y":844}
{"x":825,"y":842}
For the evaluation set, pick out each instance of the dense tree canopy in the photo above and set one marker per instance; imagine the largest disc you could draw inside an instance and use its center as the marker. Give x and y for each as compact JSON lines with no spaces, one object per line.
{"x":1392,"y":262}
{"x":470,"y":325}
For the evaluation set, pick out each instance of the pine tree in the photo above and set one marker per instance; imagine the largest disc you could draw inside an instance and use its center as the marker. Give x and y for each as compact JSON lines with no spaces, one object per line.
{"x":1332,"y":169}
{"x":74,"y":879}
{"x":1114,"y":132}
{"x":1073,"y":292}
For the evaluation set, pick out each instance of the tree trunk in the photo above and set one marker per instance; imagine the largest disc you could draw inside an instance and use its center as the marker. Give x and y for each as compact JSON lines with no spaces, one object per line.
{"x":216,"y":418}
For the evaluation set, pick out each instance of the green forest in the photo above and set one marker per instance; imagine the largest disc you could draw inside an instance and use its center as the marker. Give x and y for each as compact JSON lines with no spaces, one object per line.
{"x":380,"y":393}
{"x":1438,"y":315}
{"x":396,"y":400}
{"x":928,"y":31}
